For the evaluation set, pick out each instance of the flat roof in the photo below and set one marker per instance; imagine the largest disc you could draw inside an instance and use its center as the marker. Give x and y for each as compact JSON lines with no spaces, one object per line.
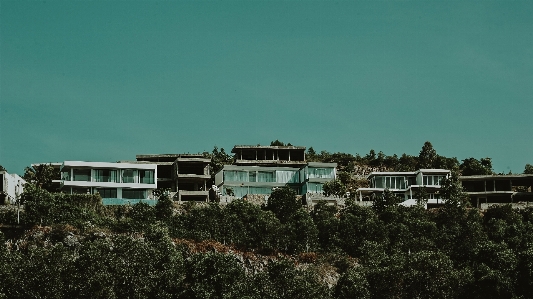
{"x":54,"y":164}
{"x":170,"y":156}
{"x":158,"y":156}
{"x":70,"y":164}
{"x":267,"y":147}
{"x":258,"y":168}
{"x":399,"y":173}
{"x":402,"y":173}
{"x":496,"y":177}
{"x":321,"y":164}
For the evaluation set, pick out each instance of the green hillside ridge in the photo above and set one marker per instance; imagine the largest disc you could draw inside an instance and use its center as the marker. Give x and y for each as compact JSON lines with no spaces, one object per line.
{"x":57,"y":245}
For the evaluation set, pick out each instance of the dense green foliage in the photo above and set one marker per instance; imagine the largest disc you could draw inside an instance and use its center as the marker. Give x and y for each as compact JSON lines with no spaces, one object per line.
{"x":73,"y":247}
{"x":219,"y":158}
{"x":82,"y":249}
{"x":41,"y":175}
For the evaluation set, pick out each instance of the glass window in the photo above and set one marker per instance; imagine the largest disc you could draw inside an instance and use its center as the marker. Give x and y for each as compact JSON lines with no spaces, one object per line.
{"x":314,"y":187}
{"x":252,"y":176}
{"x":106,"y":175}
{"x":147,"y":176}
{"x":379,"y":182}
{"x":65,"y":175}
{"x":430,"y":180}
{"x":235,"y":176}
{"x":264,"y":176}
{"x":133,"y":194}
{"x":128,"y":176}
{"x":286,"y":176}
{"x":107,"y":193}
{"x":82,"y":175}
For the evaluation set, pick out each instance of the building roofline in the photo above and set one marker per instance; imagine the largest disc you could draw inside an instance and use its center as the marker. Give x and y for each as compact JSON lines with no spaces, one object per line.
{"x":267,"y":147}
{"x":71,"y":164}
{"x":259,"y":168}
{"x":400,"y":173}
{"x":495,"y":177}
{"x":157,"y":156}
{"x":321,"y":164}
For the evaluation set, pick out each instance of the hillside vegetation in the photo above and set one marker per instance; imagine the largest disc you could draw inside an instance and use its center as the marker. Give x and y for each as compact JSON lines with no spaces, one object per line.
{"x":71,"y":246}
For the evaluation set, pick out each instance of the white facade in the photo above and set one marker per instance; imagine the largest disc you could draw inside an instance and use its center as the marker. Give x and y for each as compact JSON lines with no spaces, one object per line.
{"x":111,"y":180}
{"x":406,"y":184}
{"x":243,"y":180}
{"x":12,"y":186}
{"x":315,"y":174}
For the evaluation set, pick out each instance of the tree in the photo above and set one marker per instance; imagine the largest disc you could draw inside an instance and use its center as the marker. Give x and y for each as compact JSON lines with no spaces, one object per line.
{"x":452,"y":191}
{"x":283,"y":203}
{"x":352,"y":284}
{"x":428,"y":157}
{"x":334,"y":188}
{"x":283,"y":280}
{"x":276,"y":143}
{"x":214,"y":275}
{"x":41,"y":175}
{"x":311,"y":155}
{"x":164,"y":206}
{"x":528,"y":169}
{"x":246,"y":225}
{"x":327,"y":224}
{"x":370,"y":157}
{"x":385,"y":200}
{"x":407,"y":163}
{"x":446,"y":163}
{"x":218,"y":160}
{"x":472,"y":166}
{"x":143,"y":215}
{"x":359,"y":225}
{"x":421,"y":196}
{"x":299,"y":233}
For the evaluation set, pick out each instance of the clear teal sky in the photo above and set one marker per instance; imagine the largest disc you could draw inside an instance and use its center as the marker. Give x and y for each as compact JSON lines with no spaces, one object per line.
{"x":106,"y":80}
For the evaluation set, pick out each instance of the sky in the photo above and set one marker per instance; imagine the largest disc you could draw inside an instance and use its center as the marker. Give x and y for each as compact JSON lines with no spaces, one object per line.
{"x":108,"y":80}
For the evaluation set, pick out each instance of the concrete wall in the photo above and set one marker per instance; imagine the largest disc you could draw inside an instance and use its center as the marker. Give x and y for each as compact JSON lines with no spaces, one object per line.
{"x":13,"y":186}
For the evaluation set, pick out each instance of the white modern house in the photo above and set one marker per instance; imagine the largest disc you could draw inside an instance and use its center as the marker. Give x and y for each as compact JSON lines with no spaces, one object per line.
{"x":406,"y":185}
{"x":117,"y":183}
{"x":11,"y":187}
{"x":241,"y":180}
{"x":315,"y":174}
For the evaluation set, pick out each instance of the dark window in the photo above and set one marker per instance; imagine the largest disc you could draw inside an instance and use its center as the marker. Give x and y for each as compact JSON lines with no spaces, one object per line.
{"x":108,"y":193}
{"x":83,"y":175}
{"x":128,"y":176}
{"x":133,"y":194}
{"x":147,"y":176}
